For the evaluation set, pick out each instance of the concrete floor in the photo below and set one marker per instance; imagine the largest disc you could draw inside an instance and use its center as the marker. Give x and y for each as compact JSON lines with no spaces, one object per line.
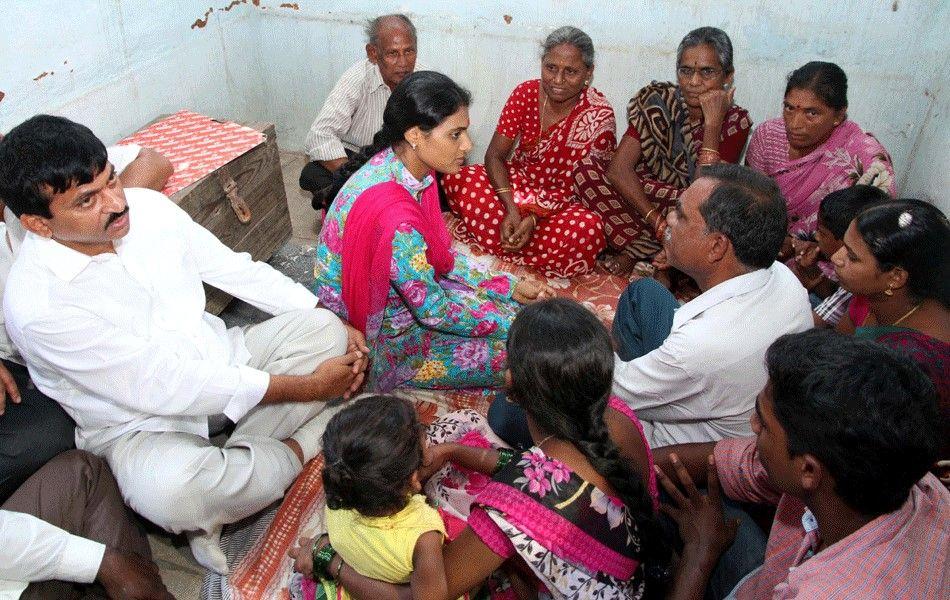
{"x":304,"y":221}
{"x":180,"y":573}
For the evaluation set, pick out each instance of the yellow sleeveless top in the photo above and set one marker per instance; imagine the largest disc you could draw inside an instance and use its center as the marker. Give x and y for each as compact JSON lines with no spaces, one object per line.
{"x":381,"y":547}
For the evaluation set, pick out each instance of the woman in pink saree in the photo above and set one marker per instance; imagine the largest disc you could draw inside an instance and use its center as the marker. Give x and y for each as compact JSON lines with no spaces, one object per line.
{"x":814,"y":149}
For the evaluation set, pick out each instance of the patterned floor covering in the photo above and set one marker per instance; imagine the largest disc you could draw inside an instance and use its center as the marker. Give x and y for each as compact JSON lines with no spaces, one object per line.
{"x":257,"y":547}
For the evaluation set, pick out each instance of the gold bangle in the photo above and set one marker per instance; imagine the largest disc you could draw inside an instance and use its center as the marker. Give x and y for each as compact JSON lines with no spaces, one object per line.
{"x":646,"y":217}
{"x":504,"y":189}
{"x":707,"y":149}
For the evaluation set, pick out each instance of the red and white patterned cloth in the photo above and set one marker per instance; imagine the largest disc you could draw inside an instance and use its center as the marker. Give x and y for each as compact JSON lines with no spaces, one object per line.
{"x":195,"y":144}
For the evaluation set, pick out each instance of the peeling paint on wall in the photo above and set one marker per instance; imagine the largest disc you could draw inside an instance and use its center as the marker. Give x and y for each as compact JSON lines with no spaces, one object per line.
{"x":292,"y":5}
{"x":507,"y":19}
{"x":44,"y":74}
{"x":200,"y":23}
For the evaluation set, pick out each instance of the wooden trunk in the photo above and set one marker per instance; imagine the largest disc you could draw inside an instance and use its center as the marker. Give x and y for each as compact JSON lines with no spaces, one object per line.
{"x":256,"y":178}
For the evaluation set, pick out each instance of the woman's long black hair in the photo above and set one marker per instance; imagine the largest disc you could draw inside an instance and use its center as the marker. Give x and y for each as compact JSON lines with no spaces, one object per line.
{"x":562,"y":363}
{"x":915,"y":236}
{"x":423,"y":99}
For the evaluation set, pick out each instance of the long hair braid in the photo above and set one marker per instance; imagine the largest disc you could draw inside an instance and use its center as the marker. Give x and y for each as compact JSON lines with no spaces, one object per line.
{"x":561,"y":362}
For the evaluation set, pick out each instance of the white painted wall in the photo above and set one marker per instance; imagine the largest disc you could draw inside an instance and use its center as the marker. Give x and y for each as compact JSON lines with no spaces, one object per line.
{"x":130,"y":60}
{"x":117,"y":64}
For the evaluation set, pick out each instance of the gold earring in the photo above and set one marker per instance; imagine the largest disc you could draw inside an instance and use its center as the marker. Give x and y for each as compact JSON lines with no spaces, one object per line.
{"x":411,"y":145}
{"x":889,"y":291}
{"x":587,"y":82}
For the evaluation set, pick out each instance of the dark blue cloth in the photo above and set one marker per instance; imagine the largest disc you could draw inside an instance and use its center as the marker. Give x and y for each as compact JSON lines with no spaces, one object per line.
{"x":509,"y":422}
{"x":644,"y":318}
{"x":31,"y":432}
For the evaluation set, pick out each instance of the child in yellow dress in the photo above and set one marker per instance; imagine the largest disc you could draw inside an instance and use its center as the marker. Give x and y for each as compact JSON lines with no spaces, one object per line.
{"x":376,"y":519}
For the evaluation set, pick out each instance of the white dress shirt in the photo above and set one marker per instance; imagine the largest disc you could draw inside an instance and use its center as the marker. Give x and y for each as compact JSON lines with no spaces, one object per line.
{"x":12,"y":234}
{"x":34,"y":550}
{"x":701,"y":384}
{"x":122,"y":340}
{"x":351,"y":115}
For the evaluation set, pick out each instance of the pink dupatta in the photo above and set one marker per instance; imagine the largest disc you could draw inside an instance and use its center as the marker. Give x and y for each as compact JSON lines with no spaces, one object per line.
{"x":368,"y":246}
{"x":850,"y":156}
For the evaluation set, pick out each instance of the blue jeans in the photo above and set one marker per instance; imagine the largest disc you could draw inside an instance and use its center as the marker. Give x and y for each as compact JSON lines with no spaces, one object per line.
{"x":644,"y":318}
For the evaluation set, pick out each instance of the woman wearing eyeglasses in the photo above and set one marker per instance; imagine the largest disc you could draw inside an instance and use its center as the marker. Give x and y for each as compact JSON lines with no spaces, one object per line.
{"x":675,"y":128}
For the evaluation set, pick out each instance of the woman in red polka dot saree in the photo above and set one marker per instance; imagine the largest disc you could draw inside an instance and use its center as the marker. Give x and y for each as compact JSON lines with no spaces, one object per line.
{"x":523,"y":208}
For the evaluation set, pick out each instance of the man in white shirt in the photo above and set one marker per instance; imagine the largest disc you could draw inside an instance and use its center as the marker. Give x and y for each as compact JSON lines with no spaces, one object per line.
{"x":105,"y":302}
{"x":692,"y":373}
{"x":67,"y":525}
{"x":353,"y":112}
{"x":33,"y":427}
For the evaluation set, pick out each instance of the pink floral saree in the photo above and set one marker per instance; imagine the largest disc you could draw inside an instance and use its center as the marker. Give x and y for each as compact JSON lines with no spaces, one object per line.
{"x":577,"y":540}
{"x":850,"y":156}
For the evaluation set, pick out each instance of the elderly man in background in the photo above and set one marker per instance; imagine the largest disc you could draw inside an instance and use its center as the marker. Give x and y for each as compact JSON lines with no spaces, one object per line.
{"x":353,"y":112}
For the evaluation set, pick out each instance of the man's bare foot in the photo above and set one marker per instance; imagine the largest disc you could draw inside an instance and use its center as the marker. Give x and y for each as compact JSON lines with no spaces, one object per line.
{"x":618,"y":264}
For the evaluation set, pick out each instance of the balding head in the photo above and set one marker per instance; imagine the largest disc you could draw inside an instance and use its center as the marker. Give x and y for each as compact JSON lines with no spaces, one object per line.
{"x":397,"y":21}
{"x":392,"y":47}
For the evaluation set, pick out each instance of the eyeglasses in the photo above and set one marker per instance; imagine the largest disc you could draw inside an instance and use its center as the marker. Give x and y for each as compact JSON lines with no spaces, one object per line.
{"x":706,"y":73}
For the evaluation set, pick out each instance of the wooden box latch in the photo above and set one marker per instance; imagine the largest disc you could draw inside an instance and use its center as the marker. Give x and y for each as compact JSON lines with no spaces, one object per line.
{"x":238,"y":205}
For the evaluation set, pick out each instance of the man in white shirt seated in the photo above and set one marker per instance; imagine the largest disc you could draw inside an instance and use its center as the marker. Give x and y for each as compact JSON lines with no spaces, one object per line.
{"x":33,"y":427}
{"x":692,"y":372}
{"x":353,"y":112}
{"x":105,"y":303}
{"x":67,"y":525}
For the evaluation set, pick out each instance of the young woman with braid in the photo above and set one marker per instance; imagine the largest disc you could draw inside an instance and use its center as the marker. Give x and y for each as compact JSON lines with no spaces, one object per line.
{"x":432,"y":318}
{"x":570,"y":515}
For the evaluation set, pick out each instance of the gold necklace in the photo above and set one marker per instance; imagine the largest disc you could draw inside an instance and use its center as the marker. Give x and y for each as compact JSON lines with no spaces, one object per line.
{"x":907,"y":314}
{"x":541,"y":443}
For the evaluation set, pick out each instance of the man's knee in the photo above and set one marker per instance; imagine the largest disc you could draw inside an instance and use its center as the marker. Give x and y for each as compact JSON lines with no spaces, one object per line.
{"x":314,"y":177}
{"x":329,"y":329}
{"x":642,"y":291}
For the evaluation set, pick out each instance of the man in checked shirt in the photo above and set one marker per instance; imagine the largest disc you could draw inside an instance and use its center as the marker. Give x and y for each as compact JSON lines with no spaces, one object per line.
{"x":353,"y":112}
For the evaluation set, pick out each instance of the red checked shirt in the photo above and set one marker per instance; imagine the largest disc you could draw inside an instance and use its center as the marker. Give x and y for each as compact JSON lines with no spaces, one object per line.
{"x":902,"y":554}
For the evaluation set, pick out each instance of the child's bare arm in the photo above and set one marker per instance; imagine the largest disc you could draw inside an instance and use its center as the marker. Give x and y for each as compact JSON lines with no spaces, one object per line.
{"x":428,"y":569}
{"x":483,"y":460}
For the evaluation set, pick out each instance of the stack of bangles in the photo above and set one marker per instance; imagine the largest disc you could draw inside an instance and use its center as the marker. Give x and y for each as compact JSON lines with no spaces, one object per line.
{"x":504,"y":457}
{"x":322,"y":557}
{"x":658,"y":224}
{"x":502,"y":189}
{"x":707,"y":156}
